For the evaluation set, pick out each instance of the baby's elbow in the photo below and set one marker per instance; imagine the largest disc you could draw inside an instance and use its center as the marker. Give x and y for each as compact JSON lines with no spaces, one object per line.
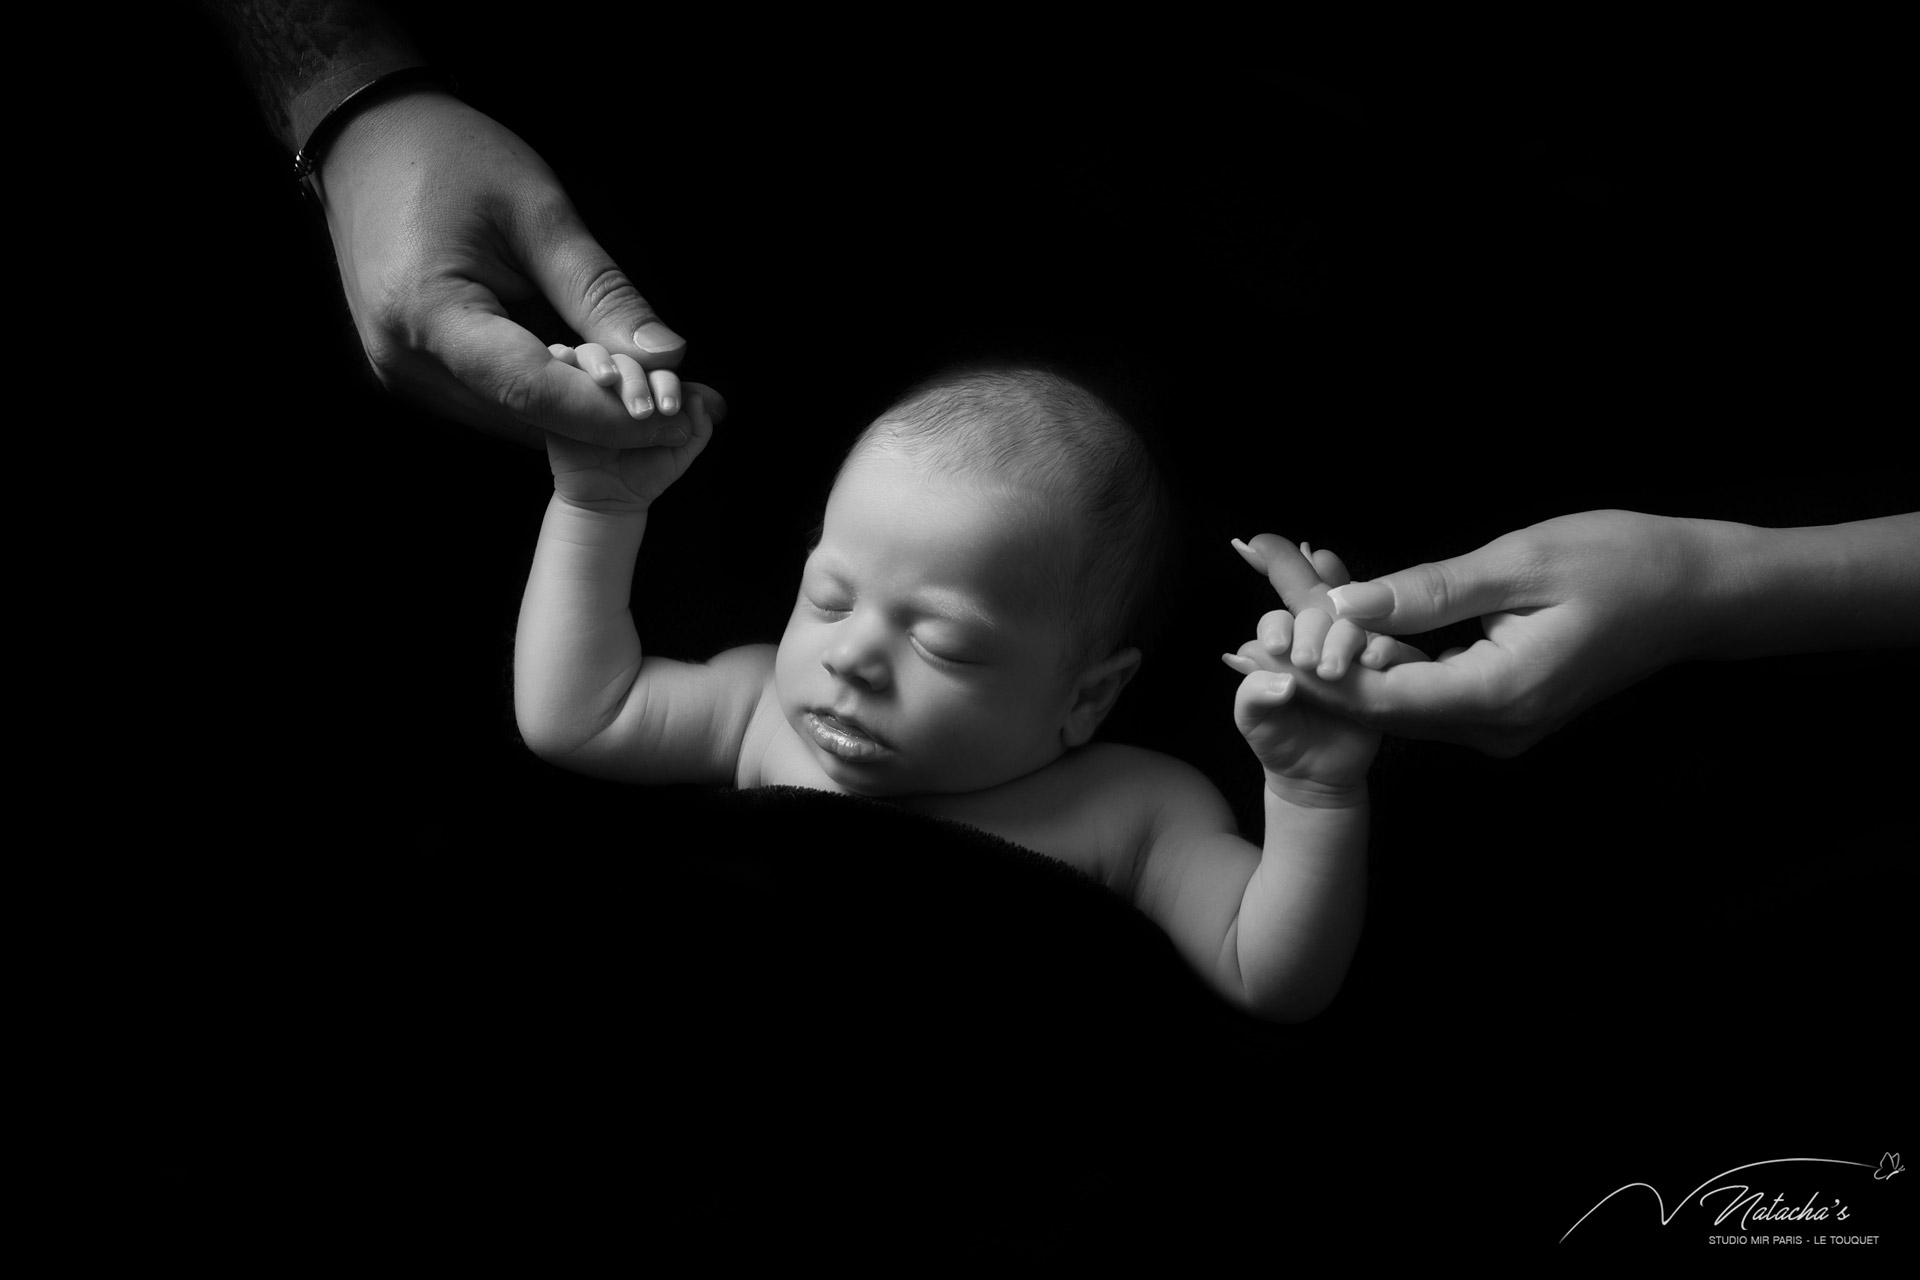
{"x":1290,"y":1003}
{"x":1290,"y":1012}
{"x":545,"y":735}
{"x":544,"y":742}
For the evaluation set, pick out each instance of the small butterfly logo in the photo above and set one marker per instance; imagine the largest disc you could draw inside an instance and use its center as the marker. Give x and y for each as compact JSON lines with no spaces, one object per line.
{"x":1889,"y":1165}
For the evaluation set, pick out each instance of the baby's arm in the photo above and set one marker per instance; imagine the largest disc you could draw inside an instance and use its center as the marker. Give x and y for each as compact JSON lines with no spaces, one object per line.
{"x":1274,"y":926}
{"x":584,"y":694}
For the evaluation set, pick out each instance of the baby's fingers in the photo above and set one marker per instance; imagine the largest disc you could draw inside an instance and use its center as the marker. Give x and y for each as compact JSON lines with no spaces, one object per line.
{"x":635,"y":391}
{"x":1385,"y":651}
{"x":1310,"y":628}
{"x":1343,"y":644}
{"x":710,"y":403}
{"x":592,"y":359}
{"x":1276,"y":632}
{"x":665,"y":385}
{"x":1259,"y":696}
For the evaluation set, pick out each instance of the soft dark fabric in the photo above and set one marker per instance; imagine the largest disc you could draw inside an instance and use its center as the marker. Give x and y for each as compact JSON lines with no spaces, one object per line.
{"x":750,"y":1020}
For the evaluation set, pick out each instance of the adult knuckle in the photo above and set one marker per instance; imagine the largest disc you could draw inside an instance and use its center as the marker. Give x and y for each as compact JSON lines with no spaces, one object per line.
{"x":610,"y":293}
{"x":521,"y":392}
{"x":1431,"y":587}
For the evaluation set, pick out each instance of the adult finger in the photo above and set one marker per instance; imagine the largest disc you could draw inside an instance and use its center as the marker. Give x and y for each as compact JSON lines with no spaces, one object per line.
{"x":505,"y":368}
{"x":1433,"y":595}
{"x":1290,"y":572}
{"x":595,"y":297}
{"x":1456,"y":700}
{"x":1332,"y":570}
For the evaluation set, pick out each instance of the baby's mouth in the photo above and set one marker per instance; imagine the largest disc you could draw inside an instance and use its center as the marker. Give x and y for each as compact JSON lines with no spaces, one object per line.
{"x":845,"y":737}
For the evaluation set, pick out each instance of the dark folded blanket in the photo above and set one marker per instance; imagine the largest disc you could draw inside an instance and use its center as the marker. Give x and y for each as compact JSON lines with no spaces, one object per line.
{"x":683,"y":1006}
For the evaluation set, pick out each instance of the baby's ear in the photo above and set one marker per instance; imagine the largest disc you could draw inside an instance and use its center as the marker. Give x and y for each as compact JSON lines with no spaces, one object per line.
{"x":1094,"y":694}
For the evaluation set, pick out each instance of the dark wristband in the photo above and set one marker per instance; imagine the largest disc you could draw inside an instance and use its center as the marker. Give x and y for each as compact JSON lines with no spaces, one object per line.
{"x":308,"y":158}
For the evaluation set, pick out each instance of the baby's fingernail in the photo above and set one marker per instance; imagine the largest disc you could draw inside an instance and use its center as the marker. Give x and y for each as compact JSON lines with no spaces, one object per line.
{"x":656,"y":337}
{"x":640,"y":407}
{"x":1362,"y":600}
{"x":1277,"y":645}
{"x":669,"y":406}
{"x":1329,"y":670}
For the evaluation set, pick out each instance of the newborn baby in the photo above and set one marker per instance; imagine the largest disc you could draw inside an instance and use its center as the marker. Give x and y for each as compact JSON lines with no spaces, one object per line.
{"x":966,"y":620}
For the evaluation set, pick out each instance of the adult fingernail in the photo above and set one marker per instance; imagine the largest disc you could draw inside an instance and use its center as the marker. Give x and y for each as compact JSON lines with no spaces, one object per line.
{"x":1251,"y":556}
{"x":1362,"y":600}
{"x":1277,"y":685}
{"x":656,"y":337}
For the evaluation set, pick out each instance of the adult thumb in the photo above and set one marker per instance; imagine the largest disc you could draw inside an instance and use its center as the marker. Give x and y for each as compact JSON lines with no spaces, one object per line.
{"x":595,"y":297}
{"x":1432,"y":595}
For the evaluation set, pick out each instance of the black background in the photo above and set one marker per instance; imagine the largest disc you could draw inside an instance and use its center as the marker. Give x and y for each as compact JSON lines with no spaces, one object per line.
{"x":374,"y":968}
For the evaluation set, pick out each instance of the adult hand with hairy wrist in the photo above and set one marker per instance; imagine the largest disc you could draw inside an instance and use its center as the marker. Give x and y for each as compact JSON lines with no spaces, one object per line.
{"x":454,"y":240}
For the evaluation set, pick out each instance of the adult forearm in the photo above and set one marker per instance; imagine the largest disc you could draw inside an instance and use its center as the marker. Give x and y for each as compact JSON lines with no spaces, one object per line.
{"x":577,"y":652}
{"x":1826,"y":587}
{"x":1300,"y":917}
{"x":302,"y":57}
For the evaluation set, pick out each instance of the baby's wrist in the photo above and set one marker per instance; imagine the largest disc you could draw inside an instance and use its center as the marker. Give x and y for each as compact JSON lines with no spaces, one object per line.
{"x":1308,"y":793}
{"x":611,"y":508}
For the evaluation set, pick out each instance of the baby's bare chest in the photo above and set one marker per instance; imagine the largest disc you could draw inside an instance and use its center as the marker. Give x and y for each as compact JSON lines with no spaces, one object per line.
{"x":1074,"y":810}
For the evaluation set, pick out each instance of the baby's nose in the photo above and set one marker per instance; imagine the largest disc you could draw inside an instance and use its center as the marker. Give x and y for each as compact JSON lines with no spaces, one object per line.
{"x":858,"y":660}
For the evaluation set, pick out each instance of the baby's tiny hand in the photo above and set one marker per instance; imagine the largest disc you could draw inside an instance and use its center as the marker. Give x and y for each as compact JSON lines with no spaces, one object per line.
{"x":1306,"y":633}
{"x":603,"y":478}
{"x":641,"y":392}
{"x":1301,"y":746}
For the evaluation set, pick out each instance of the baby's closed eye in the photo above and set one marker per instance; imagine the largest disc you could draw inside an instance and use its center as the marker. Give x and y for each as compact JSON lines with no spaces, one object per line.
{"x":944,"y":651}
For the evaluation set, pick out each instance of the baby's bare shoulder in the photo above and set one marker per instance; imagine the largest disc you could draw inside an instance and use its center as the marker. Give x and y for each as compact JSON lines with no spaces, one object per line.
{"x":1150,"y":782}
{"x":1101,"y":808}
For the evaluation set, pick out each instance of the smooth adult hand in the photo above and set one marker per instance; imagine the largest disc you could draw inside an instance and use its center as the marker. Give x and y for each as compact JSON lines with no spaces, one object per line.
{"x":446,"y":226}
{"x":1574,"y":609}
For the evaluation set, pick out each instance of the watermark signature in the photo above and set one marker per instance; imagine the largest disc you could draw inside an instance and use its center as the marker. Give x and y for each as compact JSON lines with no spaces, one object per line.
{"x":1753,"y":1206}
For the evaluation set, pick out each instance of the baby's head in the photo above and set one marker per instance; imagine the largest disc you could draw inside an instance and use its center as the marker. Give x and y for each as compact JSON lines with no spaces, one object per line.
{"x":975,"y":602}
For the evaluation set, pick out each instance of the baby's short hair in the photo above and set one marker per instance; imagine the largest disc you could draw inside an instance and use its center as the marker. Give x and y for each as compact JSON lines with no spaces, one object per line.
{"x":1044,"y":432}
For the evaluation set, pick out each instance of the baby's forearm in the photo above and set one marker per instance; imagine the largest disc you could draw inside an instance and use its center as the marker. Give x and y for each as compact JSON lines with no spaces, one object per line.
{"x":1840,"y":586}
{"x":576,"y":653}
{"x":1300,"y":917}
